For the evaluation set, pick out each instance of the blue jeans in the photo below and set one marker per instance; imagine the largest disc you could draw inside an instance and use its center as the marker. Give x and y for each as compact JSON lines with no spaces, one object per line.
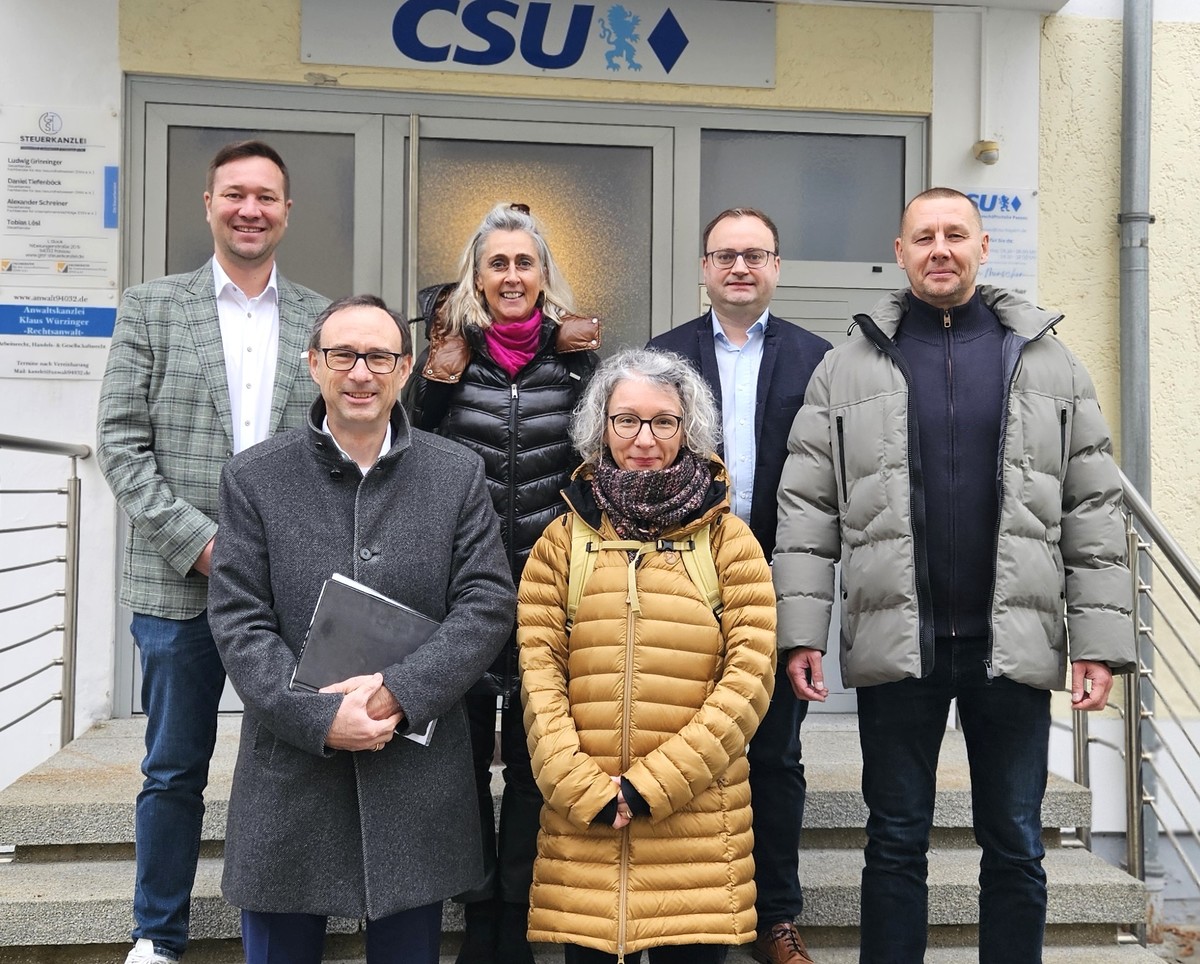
{"x":1007,"y":730}
{"x":777,"y":789}
{"x":411,"y":936}
{"x":182,"y":679}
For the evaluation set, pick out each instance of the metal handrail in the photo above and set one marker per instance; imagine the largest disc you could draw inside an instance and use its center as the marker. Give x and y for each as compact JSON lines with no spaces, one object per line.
{"x":1159,"y":536}
{"x":70,"y":591}
{"x":1149,"y":541}
{"x":43,"y":446}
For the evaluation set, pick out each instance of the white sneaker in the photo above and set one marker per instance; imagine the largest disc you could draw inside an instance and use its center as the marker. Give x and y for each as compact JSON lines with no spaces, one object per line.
{"x":144,"y":953}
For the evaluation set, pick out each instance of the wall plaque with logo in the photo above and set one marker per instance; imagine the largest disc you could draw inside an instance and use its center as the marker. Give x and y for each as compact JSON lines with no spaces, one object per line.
{"x":58,"y":243}
{"x":1010,"y":219}
{"x":681,"y":42}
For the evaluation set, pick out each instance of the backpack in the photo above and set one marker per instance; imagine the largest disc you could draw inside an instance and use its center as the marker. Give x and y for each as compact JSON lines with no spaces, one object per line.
{"x":695,"y":551}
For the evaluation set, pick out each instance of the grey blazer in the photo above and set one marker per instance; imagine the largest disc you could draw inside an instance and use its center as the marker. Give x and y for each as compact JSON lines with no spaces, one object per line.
{"x":164,"y":429}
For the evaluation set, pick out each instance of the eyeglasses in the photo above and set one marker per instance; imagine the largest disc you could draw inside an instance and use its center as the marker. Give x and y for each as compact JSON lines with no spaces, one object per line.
{"x":630,"y":426}
{"x":344,"y":360}
{"x":754,"y":257}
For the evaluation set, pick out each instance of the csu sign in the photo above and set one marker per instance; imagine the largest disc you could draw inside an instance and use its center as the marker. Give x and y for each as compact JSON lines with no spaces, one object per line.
{"x":685,"y":42}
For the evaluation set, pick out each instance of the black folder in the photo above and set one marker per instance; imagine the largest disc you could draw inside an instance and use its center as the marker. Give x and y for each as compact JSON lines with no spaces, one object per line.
{"x":356,"y":631}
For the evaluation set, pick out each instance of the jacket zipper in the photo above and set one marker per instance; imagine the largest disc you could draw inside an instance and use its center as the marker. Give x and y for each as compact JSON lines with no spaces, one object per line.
{"x":623,"y":891}
{"x":513,"y":404}
{"x":1062,"y":440}
{"x":841,"y":434}
{"x":953,"y":446}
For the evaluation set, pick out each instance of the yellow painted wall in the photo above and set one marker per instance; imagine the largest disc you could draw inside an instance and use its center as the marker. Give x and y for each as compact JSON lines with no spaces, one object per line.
{"x":1079,"y":240}
{"x":1079,"y":266}
{"x":828,"y":58}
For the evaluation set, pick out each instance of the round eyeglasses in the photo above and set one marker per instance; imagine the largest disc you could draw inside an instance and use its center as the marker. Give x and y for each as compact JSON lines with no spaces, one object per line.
{"x":630,"y":426}
{"x":754,"y":257}
{"x":344,"y":360}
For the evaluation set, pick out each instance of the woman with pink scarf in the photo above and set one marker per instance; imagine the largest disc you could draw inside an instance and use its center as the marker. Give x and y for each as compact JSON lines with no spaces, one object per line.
{"x":507,"y":361}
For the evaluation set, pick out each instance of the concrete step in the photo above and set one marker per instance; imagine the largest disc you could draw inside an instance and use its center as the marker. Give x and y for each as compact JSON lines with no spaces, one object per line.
{"x":1084,"y":889}
{"x":89,"y":902}
{"x":833,"y":769}
{"x":84,"y":794}
{"x":67,"y":895}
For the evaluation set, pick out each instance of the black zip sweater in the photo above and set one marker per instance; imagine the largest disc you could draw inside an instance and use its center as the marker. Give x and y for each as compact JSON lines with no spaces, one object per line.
{"x":957,"y":393}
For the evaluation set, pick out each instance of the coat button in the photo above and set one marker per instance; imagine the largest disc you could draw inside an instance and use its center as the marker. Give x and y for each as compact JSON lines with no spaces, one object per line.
{"x":364,"y":554}
{"x":335,"y":474}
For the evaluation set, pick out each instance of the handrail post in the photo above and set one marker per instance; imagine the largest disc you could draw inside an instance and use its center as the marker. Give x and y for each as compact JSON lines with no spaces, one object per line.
{"x":1083,"y":767}
{"x":70,"y":608}
{"x":1135,"y":830}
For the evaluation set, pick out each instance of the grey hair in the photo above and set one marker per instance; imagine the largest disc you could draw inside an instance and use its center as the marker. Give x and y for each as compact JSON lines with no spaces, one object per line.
{"x":466,"y":306}
{"x":663,"y":369}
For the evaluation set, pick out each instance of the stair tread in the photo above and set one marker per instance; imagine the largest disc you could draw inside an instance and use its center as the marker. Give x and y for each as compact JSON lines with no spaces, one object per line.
{"x":85,"y":793}
{"x":1083,"y":888}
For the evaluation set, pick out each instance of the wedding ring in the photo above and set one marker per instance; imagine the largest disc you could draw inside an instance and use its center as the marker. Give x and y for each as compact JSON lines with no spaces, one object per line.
{"x":377,"y":747}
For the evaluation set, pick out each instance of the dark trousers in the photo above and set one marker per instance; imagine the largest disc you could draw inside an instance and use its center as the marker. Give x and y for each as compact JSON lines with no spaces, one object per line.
{"x":409,"y":937}
{"x":1007,"y":728}
{"x":777,"y":790}
{"x":508,"y":857}
{"x":182,"y":679}
{"x":673,"y":954}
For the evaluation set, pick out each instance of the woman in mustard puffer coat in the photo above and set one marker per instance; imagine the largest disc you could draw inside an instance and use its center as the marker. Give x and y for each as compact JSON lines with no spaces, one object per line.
{"x":639,"y":715}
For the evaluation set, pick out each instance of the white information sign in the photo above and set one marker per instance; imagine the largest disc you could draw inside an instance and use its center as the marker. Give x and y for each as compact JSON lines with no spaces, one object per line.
{"x":1010,"y":219}
{"x":698,"y":42}
{"x":59,"y":244}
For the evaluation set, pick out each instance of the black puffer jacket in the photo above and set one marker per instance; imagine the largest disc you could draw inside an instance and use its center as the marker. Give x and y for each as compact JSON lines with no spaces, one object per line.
{"x":519,"y":426}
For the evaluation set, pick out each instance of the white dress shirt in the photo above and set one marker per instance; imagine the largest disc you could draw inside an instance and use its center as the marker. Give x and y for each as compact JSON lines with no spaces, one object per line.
{"x":383,"y":449}
{"x":250,"y":338}
{"x":738,"y":366}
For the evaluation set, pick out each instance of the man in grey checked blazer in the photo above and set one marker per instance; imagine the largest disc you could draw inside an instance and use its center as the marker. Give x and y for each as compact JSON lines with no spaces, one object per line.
{"x":168,"y":422}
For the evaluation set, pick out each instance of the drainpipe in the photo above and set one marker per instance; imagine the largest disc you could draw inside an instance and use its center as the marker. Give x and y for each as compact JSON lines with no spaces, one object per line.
{"x":1135,"y":220}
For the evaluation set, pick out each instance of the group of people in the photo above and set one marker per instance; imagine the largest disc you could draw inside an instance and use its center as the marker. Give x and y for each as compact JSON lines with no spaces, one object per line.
{"x":659,"y":511}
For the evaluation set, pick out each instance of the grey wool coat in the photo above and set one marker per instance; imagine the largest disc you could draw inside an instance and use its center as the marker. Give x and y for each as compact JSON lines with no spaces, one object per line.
{"x":850,"y":492}
{"x":333,"y":832}
{"x":164,"y":430}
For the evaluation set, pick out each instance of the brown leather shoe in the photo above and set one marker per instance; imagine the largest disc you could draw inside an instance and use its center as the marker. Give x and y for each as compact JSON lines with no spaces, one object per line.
{"x":782,"y":944}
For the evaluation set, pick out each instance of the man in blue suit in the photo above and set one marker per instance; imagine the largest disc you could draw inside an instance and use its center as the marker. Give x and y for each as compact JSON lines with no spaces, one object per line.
{"x":202,"y":365}
{"x":758,"y":366}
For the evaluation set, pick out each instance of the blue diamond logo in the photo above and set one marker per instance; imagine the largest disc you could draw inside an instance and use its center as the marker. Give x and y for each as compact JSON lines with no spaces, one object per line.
{"x":1016,"y":204}
{"x":668,"y":41}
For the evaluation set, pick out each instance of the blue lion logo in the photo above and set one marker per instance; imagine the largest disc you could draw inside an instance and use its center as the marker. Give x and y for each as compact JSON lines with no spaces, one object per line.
{"x":620,"y":37}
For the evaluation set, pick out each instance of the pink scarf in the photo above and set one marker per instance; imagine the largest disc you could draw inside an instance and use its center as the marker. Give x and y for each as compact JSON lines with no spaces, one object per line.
{"x":514,"y":344}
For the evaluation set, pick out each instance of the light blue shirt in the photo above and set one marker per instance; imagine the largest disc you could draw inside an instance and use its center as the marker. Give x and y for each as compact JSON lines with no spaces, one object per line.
{"x":739,"y":365}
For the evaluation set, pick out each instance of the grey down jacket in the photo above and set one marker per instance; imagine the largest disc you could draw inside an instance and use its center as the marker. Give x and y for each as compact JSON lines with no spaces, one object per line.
{"x":1061,"y":586}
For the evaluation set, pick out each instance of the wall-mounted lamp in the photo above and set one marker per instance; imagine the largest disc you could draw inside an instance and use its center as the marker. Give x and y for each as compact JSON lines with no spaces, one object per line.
{"x":986,"y":152}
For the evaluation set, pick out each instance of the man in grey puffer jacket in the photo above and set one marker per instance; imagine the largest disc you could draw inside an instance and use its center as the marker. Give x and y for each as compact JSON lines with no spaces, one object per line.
{"x":953,"y":457}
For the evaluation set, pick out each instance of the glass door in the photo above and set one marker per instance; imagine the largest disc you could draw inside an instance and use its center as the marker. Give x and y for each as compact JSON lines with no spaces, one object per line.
{"x":601,"y":193}
{"x":331,"y":245}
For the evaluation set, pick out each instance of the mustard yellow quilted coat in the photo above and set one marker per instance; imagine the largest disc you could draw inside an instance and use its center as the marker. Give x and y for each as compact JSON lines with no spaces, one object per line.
{"x":653,"y":688}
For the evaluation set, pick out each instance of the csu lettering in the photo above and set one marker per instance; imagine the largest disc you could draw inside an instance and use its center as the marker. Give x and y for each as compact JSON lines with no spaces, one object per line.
{"x":495,"y":23}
